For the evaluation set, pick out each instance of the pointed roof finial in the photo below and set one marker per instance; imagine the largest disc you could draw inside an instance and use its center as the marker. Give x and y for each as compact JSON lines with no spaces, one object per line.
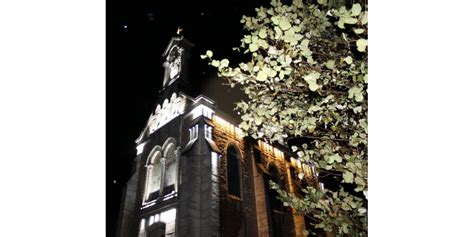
{"x":179,"y":30}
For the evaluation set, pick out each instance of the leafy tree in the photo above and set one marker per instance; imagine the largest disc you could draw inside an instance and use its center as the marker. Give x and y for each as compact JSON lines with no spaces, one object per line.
{"x":306,"y":83}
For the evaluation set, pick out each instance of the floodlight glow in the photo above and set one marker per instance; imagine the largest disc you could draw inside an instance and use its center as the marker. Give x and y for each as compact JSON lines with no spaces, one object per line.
{"x":214,"y":163}
{"x":168,"y":216}
{"x":142,"y":224}
{"x":140,"y":148}
{"x":202,"y":110}
{"x":228,"y":127}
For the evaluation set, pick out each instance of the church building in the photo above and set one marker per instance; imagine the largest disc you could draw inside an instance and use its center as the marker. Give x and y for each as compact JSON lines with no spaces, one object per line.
{"x":196,"y":174}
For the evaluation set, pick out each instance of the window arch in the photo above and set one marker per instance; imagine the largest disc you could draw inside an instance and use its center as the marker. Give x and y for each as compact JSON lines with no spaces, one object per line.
{"x":154,"y":173}
{"x":161,"y":172}
{"x":233,"y":171}
{"x":277,"y":218}
{"x":171,"y":168}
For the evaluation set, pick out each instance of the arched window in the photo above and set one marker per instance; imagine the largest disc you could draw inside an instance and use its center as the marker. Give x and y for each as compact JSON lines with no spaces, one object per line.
{"x":276,"y":216}
{"x":154,"y":173}
{"x":170,"y":169}
{"x":162,"y":169}
{"x":233,"y":171}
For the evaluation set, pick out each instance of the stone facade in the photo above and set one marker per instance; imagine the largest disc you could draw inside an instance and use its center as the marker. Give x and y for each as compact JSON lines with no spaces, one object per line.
{"x":180,"y":184}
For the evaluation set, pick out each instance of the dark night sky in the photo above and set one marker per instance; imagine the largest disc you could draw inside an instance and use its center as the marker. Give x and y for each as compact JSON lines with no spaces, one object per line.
{"x":136,"y":36}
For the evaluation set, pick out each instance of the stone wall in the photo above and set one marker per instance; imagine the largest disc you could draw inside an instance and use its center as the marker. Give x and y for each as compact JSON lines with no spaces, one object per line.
{"x":247,"y":216}
{"x":237,"y":215}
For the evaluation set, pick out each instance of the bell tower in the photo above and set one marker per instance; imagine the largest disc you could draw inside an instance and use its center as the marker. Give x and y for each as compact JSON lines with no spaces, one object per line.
{"x":176,"y":65}
{"x":172,"y":191}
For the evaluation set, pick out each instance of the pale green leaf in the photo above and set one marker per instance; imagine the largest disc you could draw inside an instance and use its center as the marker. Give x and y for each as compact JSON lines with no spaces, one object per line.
{"x":364,"y":125}
{"x":364,"y":17}
{"x":262,"y":43}
{"x":254,"y":39}
{"x":348,"y":177}
{"x":350,"y":20}
{"x":348,"y":60}
{"x":356,"y":9}
{"x":262,"y":33}
{"x":356,"y":92}
{"x":209,"y":53}
{"x":314,"y":108}
{"x":357,"y":109}
{"x":342,"y":10}
{"x":261,"y":76}
{"x":247,"y":39}
{"x":215,"y":63}
{"x":352,"y":204}
{"x":359,"y":181}
{"x":304,"y":43}
{"x":359,"y":31}
{"x":323,"y":2}
{"x":298,"y":3}
{"x":340,"y":23}
{"x":253,"y":47}
{"x":359,"y":188}
{"x":311,"y":80}
{"x":275,"y":20}
{"x":278,"y":33}
{"x":345,"y":207}
{"x":361,"y":45}
{"x":351,"y":166}
{"x":284,"y":24}
{"x":244,"y":126}
{"x":330,"y":64}
{"x":224,"y":62}
{"x":359,"y":97}
{"x":344,"y":228}
{"x":337,"y":158}
{"x":258,"y":121}
{"x":261,"y":112}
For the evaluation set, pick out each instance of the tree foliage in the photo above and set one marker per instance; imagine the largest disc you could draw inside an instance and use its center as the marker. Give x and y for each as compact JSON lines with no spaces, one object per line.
{"x":306,"y":83}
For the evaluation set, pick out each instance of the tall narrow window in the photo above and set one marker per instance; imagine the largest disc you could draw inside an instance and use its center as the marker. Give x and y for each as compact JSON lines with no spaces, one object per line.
{"x":154,"y":177}
{"x":193,"y":132}
{"x":277,"y":219}
{"x":170,"y":169}
{"x":233,"y":171}
{"x":161,"y":177}
{"x":208,"y":131}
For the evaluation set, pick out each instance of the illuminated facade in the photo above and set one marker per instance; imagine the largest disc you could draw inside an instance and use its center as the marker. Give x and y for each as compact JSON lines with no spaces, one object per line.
{"x":197,"y":175}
